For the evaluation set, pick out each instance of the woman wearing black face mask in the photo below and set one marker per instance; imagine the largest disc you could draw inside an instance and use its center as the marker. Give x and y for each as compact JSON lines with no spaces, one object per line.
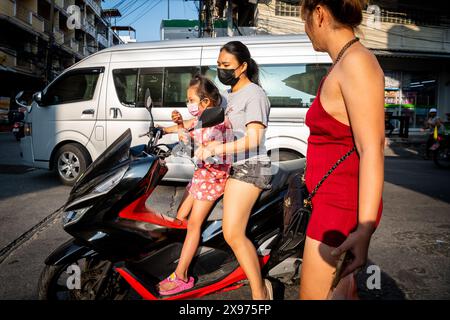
{"x":248,"y":113}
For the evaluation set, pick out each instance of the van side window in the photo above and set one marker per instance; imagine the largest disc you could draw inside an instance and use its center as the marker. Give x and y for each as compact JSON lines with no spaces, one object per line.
{"x":125,"y":81}
{"x":151,"y":78}
{"x":291,"y":86}
{"x":74,"y":86}
{"x":211,"y":73}
{"x":176,"y":82}
{"x":286,"y":85}
{"x":131,"y":85}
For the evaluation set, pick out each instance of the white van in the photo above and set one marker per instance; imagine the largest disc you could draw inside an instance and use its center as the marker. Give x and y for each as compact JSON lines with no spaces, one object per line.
{"x":80,"y":113}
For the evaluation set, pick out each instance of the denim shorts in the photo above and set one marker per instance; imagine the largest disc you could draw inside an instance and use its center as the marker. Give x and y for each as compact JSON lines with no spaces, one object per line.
{"x":254,"y":172}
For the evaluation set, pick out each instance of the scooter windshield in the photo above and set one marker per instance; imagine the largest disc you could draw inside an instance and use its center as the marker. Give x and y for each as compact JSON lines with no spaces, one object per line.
{"x":113,"y":155}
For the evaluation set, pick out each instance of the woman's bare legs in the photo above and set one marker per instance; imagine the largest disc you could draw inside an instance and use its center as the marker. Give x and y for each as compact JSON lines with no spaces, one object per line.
{"x":200,"y":210}
{"x":235,"y":218}
{"x":317,"y":274}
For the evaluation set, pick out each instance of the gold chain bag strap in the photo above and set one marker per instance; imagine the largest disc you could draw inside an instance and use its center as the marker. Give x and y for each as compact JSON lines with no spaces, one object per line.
{"x":298,"y":206}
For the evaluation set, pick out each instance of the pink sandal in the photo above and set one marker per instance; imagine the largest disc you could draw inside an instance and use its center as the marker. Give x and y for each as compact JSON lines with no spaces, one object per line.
{"x":180,"y":285}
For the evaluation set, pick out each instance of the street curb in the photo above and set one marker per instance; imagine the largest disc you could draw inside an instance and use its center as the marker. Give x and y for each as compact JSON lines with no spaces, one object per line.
{"x":17,"y":243}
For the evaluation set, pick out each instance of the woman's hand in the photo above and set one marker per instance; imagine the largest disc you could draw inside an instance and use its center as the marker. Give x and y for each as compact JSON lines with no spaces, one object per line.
{"x":358,"y":244}
{"x":161,"y":127}
{"x":177,"y":117}
{"x":183,"y":136}
{"x":204,"y":152}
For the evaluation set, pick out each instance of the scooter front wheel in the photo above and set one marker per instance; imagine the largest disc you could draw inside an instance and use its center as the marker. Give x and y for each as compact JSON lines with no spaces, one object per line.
{"x":84,"y":279}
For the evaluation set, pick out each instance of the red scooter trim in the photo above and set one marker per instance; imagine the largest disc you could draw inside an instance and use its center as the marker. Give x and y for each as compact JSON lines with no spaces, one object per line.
{"x":235,"y":276}
{"x":139,"y":212}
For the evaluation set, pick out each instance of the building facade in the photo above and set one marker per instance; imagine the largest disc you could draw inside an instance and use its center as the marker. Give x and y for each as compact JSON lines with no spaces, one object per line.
{"x":410,"y":40}
{"x":41,"y":38}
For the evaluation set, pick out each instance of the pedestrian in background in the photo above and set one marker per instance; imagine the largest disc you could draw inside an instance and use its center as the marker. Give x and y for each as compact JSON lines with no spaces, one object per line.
{"x":435,"y":127}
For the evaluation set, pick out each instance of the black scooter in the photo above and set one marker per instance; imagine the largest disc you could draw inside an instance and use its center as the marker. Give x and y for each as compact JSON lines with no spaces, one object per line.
{"x":125,"y":237}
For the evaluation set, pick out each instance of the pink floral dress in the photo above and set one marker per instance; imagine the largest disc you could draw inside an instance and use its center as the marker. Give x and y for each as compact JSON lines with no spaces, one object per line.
{"x":208,"y":181}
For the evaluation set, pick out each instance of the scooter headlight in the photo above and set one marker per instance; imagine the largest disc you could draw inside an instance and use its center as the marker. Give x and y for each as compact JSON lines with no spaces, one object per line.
{"x":73,"y":216}
{"x":103,"y":187}
{"x":111,"y":182}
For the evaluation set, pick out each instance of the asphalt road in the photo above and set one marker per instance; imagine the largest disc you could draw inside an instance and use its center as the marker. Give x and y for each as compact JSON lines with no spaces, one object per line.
{"x":411,"y":246}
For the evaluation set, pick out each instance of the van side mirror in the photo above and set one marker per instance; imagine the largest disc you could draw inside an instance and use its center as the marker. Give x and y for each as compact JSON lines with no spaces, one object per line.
{"x":18,"y":96}
{"x":18,"y":100}
{"x":37,"y":97}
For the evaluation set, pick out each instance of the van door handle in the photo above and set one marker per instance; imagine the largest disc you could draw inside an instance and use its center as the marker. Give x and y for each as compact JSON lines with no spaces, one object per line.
{"x":89,"y":111}
{"x":115,"y":112}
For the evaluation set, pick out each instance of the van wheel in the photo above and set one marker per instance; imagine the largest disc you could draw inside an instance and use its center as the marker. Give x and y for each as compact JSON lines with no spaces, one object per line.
{"x":70,"y":161}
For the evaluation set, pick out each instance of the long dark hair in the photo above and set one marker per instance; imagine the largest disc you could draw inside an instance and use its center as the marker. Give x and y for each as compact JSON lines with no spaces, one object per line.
{"x":346,"y":12}
{"x":242,"y":54}
{"x":206,"y":89}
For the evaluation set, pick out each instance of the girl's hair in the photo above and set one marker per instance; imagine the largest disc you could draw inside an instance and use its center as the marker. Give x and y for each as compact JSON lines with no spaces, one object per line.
{"x":346,"y":12}
{"x":242,"y":54}
{"x":206,"y":89}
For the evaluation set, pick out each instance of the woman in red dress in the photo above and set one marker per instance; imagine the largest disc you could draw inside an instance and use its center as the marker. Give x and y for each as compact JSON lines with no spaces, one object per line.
{"x":348,"y":111}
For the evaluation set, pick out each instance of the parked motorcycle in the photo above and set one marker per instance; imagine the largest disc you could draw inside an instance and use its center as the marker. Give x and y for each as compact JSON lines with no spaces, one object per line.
{"x":441,"y":151}
{"x":18,"y":128}
{"x":17,"y":117}
{"x":125,"y":237}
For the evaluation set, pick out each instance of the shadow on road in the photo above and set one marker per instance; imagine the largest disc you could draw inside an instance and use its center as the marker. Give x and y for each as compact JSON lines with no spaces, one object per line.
{"x":16,"y":183}
{"x":388,"y":289}
{"x":419,"y":176}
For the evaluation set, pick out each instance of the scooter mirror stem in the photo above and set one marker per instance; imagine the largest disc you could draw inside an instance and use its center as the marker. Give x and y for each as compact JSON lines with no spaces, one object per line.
{"x":148,"y":105}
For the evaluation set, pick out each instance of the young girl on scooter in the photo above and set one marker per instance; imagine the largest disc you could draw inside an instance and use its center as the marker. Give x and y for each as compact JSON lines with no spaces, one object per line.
{"x":208,"y":181}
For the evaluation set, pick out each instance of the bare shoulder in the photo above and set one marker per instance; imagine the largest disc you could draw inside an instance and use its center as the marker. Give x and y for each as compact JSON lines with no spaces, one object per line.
{"x":360,"y":63}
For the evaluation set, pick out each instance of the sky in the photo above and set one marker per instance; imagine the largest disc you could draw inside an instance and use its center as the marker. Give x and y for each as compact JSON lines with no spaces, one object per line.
{"x":145,"y":15}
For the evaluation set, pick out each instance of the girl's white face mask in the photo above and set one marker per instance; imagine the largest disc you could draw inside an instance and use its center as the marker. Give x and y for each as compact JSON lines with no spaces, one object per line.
{"x":193,"y":109}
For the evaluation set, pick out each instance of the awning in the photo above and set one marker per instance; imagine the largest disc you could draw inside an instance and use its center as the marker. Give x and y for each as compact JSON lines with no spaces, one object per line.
{"x":410,"y":54}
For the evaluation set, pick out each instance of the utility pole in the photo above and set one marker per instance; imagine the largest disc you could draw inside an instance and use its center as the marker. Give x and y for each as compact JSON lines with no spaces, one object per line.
{"x":230,"y":18}
{"x":168,"y":9}
{"x":49,"y":55}
{"x":205,"y":19}
{"x":208,"y":18}
{"x":200,"y":19}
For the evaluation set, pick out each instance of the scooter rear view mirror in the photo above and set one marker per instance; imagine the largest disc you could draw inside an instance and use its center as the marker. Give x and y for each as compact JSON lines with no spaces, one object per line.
{"x":148,"y":102}
{"x":210,"y":117}
{"x":148,"y":99}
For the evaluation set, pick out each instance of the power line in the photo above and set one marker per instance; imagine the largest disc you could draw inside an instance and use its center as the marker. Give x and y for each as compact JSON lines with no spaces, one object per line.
{"x":126,"y":9}
{"x":156,"y":4}
{"x":129,"y":6}
{"x":134,"y":10}
{"x":118,"y":4}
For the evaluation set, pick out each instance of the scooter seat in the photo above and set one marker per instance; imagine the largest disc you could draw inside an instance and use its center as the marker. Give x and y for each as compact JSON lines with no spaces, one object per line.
{"x":281,"y":177}
{"x":282,"y":171}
